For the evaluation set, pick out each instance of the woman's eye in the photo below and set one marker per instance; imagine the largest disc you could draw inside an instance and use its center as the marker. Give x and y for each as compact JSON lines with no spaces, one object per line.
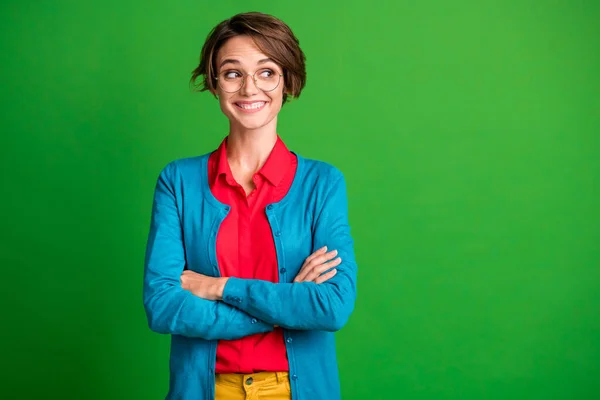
{"x":231,"y":75}
{"x":267,"y":73}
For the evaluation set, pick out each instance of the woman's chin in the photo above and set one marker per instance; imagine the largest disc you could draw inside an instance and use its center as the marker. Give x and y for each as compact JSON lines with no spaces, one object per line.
{"x":250,"y":124}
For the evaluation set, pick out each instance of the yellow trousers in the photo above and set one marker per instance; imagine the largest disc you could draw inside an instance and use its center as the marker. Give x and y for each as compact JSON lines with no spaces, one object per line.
{"x":258,"y":386}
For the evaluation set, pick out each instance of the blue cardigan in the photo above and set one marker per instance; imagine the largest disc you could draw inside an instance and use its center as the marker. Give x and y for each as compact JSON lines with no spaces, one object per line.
{"x":185,"y":220}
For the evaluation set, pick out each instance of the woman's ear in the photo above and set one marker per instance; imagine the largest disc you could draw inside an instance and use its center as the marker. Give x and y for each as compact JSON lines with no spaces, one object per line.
{"x":213,"y":91}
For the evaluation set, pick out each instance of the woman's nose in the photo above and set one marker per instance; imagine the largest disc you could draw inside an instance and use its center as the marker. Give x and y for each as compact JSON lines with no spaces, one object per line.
{"x":249,"y":86}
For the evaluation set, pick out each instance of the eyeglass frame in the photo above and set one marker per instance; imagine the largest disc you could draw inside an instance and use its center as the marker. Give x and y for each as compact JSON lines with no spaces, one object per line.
{"x":253,"y":79}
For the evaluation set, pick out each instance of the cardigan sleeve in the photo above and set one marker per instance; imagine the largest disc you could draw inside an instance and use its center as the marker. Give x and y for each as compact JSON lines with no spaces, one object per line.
{"x":169,"y":308}
{"x":307,"y":305}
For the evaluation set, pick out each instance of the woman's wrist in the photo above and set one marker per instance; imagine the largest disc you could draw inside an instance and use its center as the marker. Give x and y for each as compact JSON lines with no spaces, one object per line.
{"x":220,"y":287}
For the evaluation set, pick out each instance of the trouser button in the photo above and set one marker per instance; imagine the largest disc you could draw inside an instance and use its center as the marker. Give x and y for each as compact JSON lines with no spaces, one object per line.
{"x":249,"y":381}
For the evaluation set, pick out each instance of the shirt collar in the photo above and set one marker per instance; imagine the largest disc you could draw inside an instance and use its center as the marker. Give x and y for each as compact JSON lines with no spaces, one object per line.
{"x":222,"y":165}
{"x":277,"y":165}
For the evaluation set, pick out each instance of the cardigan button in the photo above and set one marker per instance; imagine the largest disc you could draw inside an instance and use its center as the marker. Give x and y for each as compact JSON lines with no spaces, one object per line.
{"x":289,"y":340}
{"x":282,"y":270}
{"x":277,"y":233}
{"x":269,"y":207}
{"x":294,"y":377}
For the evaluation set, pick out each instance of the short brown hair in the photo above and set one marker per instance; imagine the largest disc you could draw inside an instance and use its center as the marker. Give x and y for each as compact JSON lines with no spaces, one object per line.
{"x":271,"y":35}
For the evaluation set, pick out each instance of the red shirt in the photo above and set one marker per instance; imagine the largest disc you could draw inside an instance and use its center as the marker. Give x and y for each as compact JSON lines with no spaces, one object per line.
{"x":245,"y":249}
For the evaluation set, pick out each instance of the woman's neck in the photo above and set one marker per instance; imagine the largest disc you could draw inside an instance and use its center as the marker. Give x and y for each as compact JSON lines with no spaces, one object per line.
{"x":248,"y":150}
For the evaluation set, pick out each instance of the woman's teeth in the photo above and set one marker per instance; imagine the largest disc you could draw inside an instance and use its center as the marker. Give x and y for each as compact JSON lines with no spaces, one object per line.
{"x":251,"y":106}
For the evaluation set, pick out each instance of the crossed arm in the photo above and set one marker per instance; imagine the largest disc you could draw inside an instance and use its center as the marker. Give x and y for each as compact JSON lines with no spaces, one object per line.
{"x":195,"y":305}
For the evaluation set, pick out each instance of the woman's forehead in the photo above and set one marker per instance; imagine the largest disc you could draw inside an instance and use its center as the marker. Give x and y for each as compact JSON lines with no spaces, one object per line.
{"x":241,"y":50}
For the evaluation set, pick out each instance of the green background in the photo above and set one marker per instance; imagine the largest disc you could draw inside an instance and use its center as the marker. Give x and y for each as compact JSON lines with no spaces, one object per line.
{"x":468,"y":134}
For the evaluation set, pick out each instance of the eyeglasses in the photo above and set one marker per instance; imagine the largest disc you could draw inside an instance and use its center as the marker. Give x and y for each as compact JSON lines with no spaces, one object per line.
{"x":266,"y":80}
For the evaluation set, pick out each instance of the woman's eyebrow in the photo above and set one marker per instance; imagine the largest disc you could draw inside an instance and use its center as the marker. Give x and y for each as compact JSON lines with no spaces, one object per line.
{"x":228,"y":61}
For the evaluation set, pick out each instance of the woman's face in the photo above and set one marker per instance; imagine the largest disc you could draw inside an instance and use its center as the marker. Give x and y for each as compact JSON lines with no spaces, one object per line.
{"x":249,"y":108}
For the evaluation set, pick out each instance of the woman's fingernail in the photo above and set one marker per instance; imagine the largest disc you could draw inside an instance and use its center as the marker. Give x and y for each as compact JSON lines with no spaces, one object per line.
{"x":324,"y":248}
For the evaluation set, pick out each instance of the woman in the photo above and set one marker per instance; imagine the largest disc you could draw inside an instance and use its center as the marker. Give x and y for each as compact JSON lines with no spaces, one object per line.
{"x":250,"y":263}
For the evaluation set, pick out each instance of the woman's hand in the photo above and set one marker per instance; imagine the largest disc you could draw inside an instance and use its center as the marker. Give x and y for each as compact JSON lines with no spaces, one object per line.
{"x":203,"y":286}
{"x":317,"y":263}
{"x":210,"y":288}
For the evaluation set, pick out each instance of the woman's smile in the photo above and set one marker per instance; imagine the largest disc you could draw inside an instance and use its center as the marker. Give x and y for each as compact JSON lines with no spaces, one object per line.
{"x":250,"y":106}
